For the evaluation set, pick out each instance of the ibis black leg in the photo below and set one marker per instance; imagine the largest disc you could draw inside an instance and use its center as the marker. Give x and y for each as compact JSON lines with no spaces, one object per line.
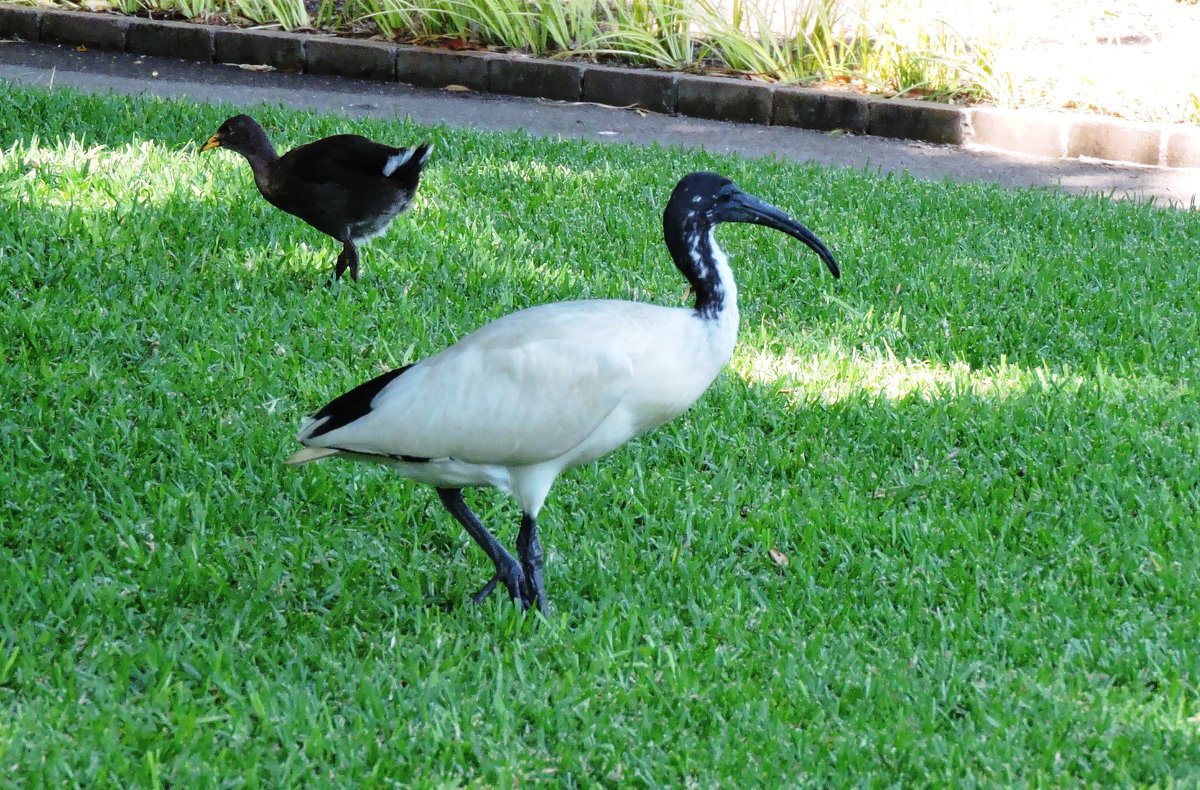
{"x":347,"y":260}
{"x":508,"y":570}
{"x":529,"y":549}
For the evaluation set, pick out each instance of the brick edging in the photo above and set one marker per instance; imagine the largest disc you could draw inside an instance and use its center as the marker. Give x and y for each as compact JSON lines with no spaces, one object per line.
{"x":1032,"y":132}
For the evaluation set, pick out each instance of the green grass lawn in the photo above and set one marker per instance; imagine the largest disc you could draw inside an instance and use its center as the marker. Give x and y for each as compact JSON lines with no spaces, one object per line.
{"x":937,"y":524}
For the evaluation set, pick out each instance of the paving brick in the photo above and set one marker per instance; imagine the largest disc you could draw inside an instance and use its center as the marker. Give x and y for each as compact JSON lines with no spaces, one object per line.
{"x":426,"y":67}
{"x":284,"y":51}
{"x":170,"y":39}
{"x":1115,"y":141}
{"x":20,"y":21}
{"x":724,"y":99}
{"x":909,"y":119}
{"x":1022,"y":131}
{"x":536,"y":77}
{"x":371,"y":60}
{"x":98,"y":31}
{"x":1183,"y":148}
{"x":650,"y":90}
{"x":823,"y":110}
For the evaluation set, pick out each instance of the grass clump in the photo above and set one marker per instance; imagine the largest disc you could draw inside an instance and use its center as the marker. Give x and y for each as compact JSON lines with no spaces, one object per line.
{"x":935,"y":525}
{"x":898,"y":51}
{"x":808,"y":42}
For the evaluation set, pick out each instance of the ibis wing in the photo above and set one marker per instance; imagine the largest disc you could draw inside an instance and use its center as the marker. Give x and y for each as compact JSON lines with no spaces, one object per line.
{"x":513,"y":405}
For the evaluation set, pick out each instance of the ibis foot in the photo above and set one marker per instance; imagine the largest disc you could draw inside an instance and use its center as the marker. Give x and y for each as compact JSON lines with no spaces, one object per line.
{"x":486,"y":590}
{"x":514,"y":581}
{"x":508,"y":570}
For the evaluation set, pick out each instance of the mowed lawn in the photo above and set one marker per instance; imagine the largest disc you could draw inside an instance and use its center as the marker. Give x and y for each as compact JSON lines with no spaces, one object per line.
{"x":939,"y":523}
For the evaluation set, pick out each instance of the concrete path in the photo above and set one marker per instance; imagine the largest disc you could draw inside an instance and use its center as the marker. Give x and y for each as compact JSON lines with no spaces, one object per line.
{"x":58,"y":66}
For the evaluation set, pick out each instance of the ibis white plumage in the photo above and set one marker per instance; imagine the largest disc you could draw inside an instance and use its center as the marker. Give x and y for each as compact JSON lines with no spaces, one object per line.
{"x":552,"y":387}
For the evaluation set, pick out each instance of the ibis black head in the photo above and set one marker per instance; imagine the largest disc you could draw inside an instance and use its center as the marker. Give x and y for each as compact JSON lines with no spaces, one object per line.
{"x":702,"y":200}
{"x":240,"y":133}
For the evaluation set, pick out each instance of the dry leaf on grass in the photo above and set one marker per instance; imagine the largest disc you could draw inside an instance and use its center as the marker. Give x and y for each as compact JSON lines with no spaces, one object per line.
{"x":779,"y":558}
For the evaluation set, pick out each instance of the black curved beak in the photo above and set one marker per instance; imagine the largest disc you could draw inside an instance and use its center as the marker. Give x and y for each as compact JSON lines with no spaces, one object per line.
{"x":744,"y":207}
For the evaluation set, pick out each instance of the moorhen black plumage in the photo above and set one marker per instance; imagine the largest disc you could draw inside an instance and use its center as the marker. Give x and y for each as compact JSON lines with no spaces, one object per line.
{"x":346,"y":186}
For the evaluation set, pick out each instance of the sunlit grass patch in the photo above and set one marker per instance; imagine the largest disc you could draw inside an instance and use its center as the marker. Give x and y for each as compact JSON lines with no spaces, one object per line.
{"x":66,"y":173}
{"x":832,"y":376}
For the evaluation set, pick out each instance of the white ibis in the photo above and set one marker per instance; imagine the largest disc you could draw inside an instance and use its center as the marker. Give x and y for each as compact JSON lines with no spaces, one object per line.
{"x":555,"y":386}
